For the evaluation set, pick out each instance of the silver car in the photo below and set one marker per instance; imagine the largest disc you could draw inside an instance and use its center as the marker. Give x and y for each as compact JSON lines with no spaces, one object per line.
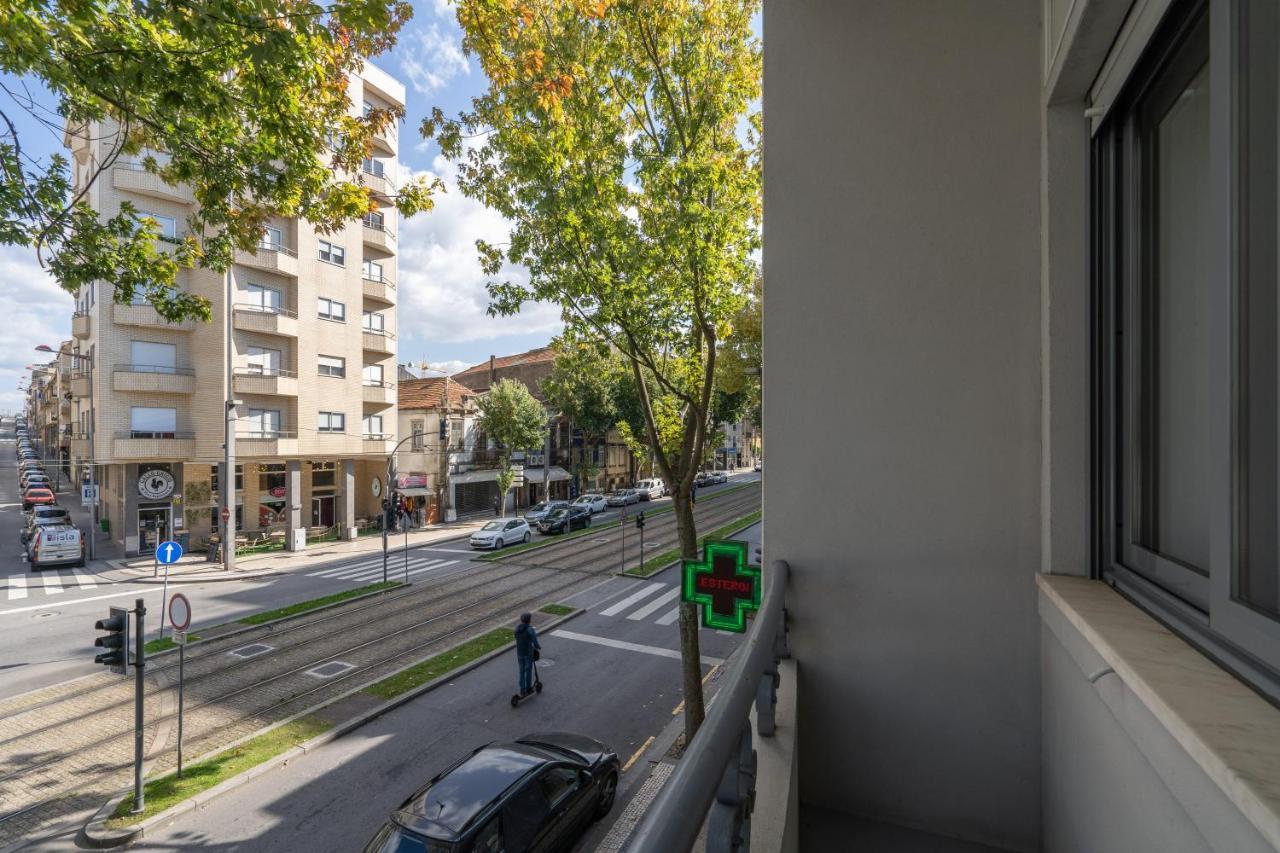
{"x":501,"y":532}
{"x":539,"y":511}
{"x":623,"y":497}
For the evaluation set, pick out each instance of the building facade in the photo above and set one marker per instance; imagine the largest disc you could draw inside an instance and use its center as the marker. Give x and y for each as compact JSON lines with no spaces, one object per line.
{"x":1020,"y":269}
{"x":433,"y":467}
{"x":311,"y":323}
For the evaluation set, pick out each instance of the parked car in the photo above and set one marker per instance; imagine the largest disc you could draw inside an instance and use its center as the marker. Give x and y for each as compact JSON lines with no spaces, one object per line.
{"x":759,"y":465}
{"x":539,"y":511}
{"x":565,"y":519}
{"x":593,"y":502}
{"x":650,"y":489}
{"x":501,"y":532}
{"x":537,"y":793}
{"x":719,"y":477}
{"x":622,"y":497}
{"x":27,"y":478}
{"x":42,"y":516}
{"x":703,"y":479}
{"x":37,"y":496}
{"x":56,"y":545}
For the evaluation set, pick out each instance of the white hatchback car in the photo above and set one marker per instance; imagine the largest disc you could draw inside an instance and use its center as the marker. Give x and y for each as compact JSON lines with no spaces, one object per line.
{"x":501,"y":532}
{"x":593,"y":502}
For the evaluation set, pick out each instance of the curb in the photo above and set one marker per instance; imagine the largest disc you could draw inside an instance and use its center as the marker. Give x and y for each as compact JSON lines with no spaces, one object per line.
{"x":96,"y":834}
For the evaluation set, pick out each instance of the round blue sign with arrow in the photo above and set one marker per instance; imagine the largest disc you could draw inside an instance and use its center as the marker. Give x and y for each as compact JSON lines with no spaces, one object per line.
{"x":168,"y":552}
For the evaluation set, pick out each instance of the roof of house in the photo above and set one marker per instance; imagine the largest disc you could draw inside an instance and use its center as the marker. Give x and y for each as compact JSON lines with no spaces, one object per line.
{"x":480,"y":372}
{"x":429,"y":393}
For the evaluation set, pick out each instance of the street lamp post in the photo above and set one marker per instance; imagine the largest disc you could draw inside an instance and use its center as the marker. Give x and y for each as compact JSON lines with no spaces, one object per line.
{"x":93,"y":467}
{"x":442,"y":486}
{"x":385,"y":552}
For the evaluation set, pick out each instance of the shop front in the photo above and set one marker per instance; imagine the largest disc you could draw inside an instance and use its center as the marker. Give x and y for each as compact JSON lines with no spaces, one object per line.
{"x":153,"y":506}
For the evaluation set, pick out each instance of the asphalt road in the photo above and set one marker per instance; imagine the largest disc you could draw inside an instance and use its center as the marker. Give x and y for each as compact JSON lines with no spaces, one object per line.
{"x":612,"y":673}
{"x":46,"y":618}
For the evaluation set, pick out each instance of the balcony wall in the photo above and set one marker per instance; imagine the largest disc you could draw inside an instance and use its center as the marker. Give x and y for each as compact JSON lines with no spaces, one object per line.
{"x":382,"y":290}
{"x":282,"y":260}
{"x":80,"y":324}
{"x":132,"y":378}
{"x":285,"y":444}
{"x":380,"y":395}
{"x":153,"y":448}
{"x":133,"y":179}
{"x":79,"y":385}
{"x":379,"y":342}
{"x":378,"y":184}
{"x":283,"y":323}
{"x":146,"y":317}
{"x":378,"y":238}
{"x":257,"y":383}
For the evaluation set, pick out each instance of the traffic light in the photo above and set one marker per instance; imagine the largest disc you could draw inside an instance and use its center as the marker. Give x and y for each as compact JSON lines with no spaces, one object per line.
{"x":444,"y":429}
{"x":640,"y":521}
{"x":115,"y":644}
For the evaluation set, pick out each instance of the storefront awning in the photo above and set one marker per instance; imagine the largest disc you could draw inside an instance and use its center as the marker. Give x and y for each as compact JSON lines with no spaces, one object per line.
{"x":531,"y":475}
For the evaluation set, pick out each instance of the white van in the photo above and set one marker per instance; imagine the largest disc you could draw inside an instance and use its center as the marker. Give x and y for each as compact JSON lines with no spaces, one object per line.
{"x":56,"y":545}
{"x":650,"y":489}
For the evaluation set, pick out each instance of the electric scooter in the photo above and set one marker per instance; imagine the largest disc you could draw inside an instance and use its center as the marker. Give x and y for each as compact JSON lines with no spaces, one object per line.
{"x":516,"y":698}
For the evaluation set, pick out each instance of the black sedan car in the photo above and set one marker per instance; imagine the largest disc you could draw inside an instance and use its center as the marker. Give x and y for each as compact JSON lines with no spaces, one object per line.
{"x":565,"y":519}
{"x":536,"y":793}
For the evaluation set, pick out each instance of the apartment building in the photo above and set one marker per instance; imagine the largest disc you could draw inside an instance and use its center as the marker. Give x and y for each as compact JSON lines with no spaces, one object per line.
{"x":608,"y":461}
{"x":440,"y":466}
{"x":311,"y":322}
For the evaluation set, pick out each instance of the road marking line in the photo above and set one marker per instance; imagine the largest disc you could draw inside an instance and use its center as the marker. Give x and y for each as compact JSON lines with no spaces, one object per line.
{"x":394,"y":568}
{"x":636,"y":755}
{"x":622,"y":605}
{"x":656,"y":604}
{"x":17,"y":586}
{"x":134,"y":592}
{"x":675,"y":712}
{"x":672,"y":615}
{"x":52,"y":584}
{"x":630,"y":647}
{"x":84,"y":580}
{"x":446,"y":550}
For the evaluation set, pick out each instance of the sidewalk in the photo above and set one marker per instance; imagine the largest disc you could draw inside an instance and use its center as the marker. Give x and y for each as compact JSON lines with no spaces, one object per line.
{"x":195,"y":568}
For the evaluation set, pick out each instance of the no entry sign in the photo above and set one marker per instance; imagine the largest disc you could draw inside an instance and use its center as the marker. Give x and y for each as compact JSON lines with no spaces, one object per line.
{"x":723,"y":585}
{"x":179,"y":612}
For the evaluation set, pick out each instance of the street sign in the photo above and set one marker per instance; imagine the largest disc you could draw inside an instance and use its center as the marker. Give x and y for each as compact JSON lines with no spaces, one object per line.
{"x":225,"y":514}
{"x":179,"y":637}
{"x":88,"y":494}
{"x":179,"y":613}
{"x":723,"y":585}
{"x":168,"y":553}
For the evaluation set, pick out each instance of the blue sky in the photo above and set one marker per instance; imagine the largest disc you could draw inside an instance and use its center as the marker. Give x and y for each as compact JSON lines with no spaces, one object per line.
{"x":442,"y":295}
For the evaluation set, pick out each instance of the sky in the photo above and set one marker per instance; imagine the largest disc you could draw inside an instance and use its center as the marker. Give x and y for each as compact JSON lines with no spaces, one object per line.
{"x":442,"y":308}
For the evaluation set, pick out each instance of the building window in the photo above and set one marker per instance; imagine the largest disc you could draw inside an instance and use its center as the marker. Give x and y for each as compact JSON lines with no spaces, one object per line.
{"x":373,"y":425}
{"x":375,"y":220}
{"x":213,"y":480}
{"x":332,"y":309}
{"x":1187,"y":439}
{"x":332,"y":365}
{"x":166,"y":227}
{"x":151,"y":357}
{"x":374,"y":322}
{"x":272,"y":238}
{"x":372,"y":374}
{"x":374,"y":167}
{"x":262,"y":423}
{"x":417,"y":427}
{"x":332,"y":422}
{"x":152,"y":422}
{"x":263,"y":361}
{"x":333,"y":254}
{"x":260,"y":298}
{"x":372,"y":270}
{"x":323,"y":474}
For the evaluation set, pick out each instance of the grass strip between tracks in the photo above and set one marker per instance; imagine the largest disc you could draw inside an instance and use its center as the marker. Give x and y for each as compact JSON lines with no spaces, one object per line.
{"x":597,"y":528}
{"x":434,"y":667}
{"x":167,"y":791}
{"x":165,"y":643}
{"x":556,"y":609}
{"x":666,"y":558}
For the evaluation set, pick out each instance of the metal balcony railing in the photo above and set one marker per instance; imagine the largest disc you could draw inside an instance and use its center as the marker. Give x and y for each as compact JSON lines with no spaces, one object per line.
{"x":155,"y":368}
{"x":716,"y":777}
{"x":377,"y":383}
{"x":258,"y":308}
{"x":259,"y":370}
{"x":379,"y":279}
{"x":148,"y":433}
{"x":380,"y":332}
{"x":271,"y":246}
{"x":377,"y":436}
{"x":266,"y":434}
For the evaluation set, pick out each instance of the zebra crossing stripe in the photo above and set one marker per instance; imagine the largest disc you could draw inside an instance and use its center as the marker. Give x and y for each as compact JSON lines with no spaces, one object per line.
{"x":346,"y":567}
{"x":52,"y":584}
{"x":671,"y":616}
{"x":622,"y":605}
{"x":17,"y":587}
{"x":85,"y":581}
{"x":653,"y":606}
{"x":394,"y":569}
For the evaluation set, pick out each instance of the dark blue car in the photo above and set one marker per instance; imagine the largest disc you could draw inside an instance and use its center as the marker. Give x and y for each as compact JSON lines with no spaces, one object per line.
{"x":538,"y":793}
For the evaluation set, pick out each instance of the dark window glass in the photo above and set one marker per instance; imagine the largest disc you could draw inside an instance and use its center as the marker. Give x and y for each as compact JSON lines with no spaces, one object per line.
{"x":558,"y":783}
{"x":523,"y":816}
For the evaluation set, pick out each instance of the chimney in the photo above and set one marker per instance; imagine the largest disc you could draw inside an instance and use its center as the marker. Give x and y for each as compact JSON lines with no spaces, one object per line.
{"x":492,"y":371}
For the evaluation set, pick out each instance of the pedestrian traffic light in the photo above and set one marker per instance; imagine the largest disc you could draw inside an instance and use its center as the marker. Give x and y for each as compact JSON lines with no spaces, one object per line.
{"x":444,"y":429}
{"x":640,"y":521}
{"x":116,"y":643}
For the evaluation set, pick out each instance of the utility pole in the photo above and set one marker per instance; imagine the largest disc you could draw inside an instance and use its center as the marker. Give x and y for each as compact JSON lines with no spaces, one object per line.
{"x":139,"y":690}
{"x":229,"y":440}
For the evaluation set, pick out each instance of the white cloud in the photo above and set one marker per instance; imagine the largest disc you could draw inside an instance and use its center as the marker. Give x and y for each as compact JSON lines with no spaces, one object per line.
{"x":430,"y":58}
{"x":37,"y":311}
{"x":442,"y":288}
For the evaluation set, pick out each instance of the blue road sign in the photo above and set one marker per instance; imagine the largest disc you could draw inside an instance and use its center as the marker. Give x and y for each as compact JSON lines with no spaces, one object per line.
{"x":168,"y":552}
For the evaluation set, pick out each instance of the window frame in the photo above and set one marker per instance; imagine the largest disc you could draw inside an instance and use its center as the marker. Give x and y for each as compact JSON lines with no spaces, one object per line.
{"x":324,"y":422}
{"x":338,"y":371}
{"x":339,"y":317}
{"x":337,"y":254}
{"x":1203,"y":609}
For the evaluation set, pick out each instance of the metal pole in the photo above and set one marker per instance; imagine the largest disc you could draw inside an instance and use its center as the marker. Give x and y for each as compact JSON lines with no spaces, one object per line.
{"x":229,"y":438}
{"x":622,"y":525}
{"x":182,"y":660}
{"x":139,"y":689}
{"x":93,"y":467}
{"x":164,"y":600}
{"x":406,"y":552}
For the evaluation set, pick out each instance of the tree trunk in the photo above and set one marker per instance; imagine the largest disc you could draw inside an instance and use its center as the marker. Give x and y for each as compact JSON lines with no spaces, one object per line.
{"x":690,"y":653}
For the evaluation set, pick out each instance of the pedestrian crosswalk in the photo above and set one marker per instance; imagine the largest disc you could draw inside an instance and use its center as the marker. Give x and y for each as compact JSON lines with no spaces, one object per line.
{"x":369,"y":570}
{"x":647,"y":600}
{"x":47,"y":582}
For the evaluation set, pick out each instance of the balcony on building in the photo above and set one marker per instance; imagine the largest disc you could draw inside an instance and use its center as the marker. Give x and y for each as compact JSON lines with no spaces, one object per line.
{"x":276,"y":442}
{"x":143,"y":315}
{"x":80,"y":325}
{"x":376,"y":233}
{"x":462,"y":461}
{"x":272,"y":256}
{"x":379,"y":288}
{"x":380,"y":341}
{"x":377,"y":442}
{"x":133,"y":177}
{"x":379,"y":392}
{"x":144,"y":444}
{"x":255,"y":379}
{"x":78,"y":445}
{"x":268,"y":319}
{"x":375,"y":176}
{"x":80,"y":384}
{"x":153,"y":378}
{"x":385,"y":139}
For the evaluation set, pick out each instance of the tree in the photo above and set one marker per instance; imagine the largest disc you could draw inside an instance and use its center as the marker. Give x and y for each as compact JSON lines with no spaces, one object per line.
{"x":244,"y":102}
{"x":620,"y":139}
{"x":581,"y":388}
{"x":514,"y":419}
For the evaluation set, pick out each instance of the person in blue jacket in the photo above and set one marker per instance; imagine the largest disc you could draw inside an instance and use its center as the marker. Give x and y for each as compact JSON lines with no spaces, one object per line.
{"x":527,"y":648}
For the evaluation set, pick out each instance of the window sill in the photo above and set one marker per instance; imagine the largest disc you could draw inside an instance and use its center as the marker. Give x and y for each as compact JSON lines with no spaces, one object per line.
{"x":1229,"y":731}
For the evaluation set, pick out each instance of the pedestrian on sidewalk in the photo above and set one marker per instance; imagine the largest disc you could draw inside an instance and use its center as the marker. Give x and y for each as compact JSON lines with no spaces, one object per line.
{"x":497,"y":505}
{"x":527,"y":651}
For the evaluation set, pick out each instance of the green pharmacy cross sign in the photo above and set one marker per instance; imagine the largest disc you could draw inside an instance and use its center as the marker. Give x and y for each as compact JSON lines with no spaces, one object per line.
{"x":723,"y":584}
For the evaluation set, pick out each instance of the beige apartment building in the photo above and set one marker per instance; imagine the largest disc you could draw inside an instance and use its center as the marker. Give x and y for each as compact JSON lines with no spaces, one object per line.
{"x":312,"y":334}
